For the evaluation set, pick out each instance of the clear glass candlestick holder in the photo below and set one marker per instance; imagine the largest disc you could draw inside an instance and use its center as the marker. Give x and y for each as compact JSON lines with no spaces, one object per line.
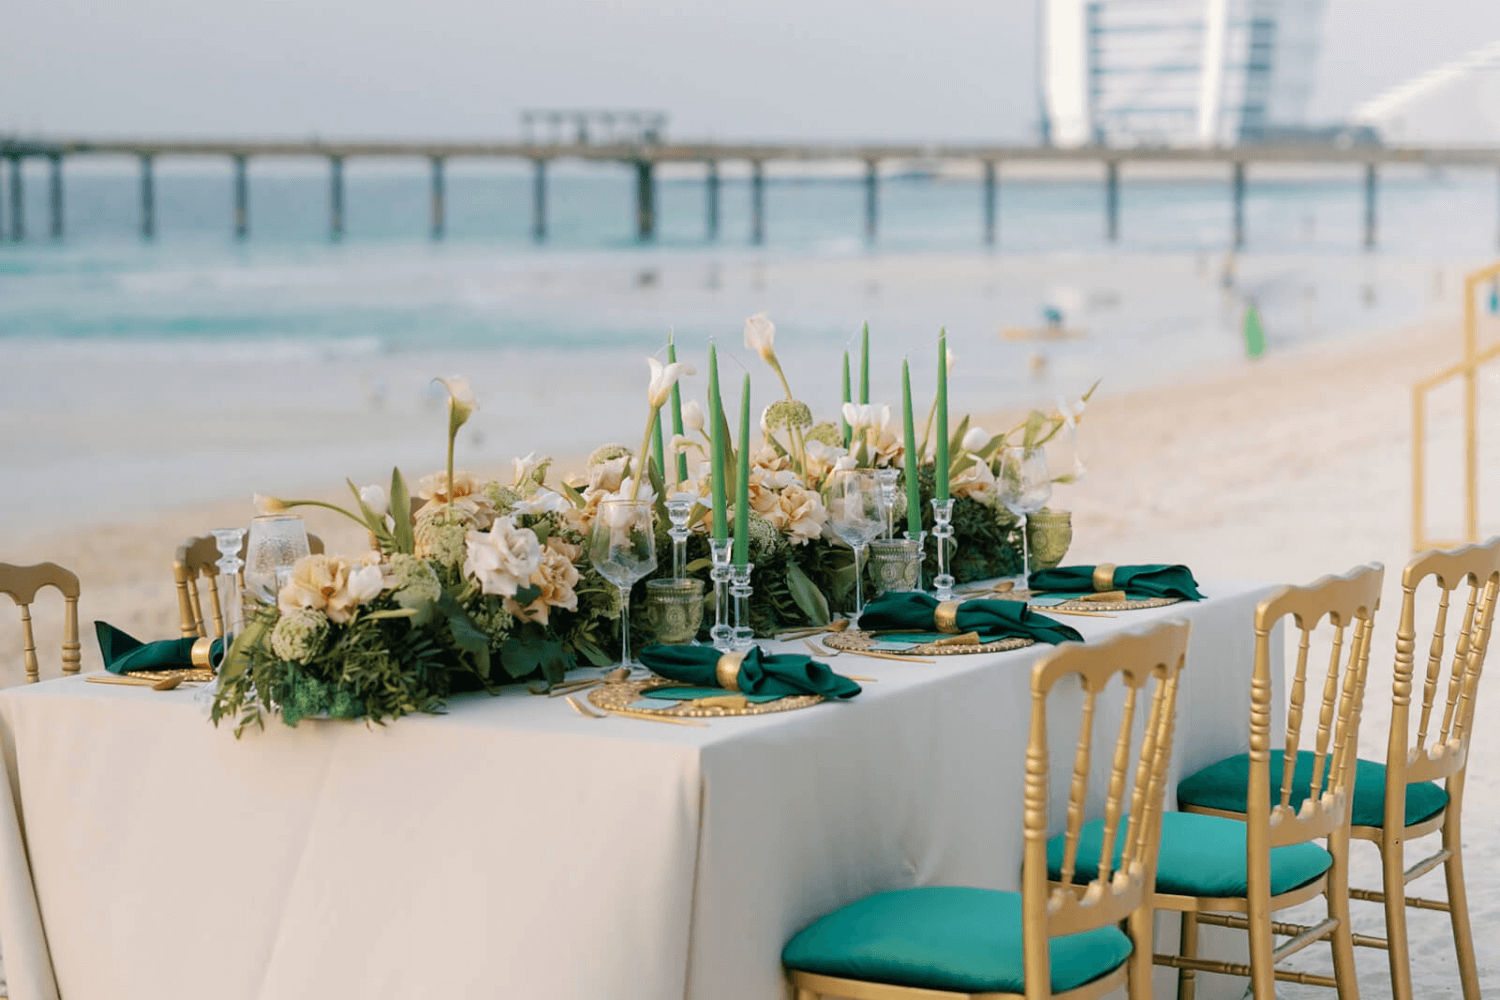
{"x":722,"y":632}
{"x":942,"y":532}
{"x":888,"y":494}
{"x":679,"y":508}
{"x":740,"y":589}
{"x":231,"y":603}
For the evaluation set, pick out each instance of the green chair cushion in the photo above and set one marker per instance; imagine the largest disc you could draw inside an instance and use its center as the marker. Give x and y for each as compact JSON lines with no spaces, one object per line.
{"x":945,"y":938}
{"x":1222,"y":786}
{"x":1199,"y":856}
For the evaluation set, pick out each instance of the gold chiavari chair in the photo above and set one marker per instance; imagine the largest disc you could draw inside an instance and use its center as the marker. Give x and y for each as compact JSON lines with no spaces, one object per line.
{"x":1401,"y":799}
{"x":1060,"y":936}
{"x":1273,"y":815}
{"x":22,"y":584}
{"x":198,"y":558}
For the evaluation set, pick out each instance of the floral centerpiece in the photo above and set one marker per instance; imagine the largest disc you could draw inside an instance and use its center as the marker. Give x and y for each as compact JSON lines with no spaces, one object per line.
{"x":469,"y":585}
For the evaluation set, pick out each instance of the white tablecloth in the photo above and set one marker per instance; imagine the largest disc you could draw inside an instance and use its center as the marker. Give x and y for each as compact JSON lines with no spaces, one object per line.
{"x":512,"y":848}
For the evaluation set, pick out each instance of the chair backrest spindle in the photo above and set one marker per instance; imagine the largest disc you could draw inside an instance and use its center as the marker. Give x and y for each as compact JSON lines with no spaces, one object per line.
{"x":22,"y":583}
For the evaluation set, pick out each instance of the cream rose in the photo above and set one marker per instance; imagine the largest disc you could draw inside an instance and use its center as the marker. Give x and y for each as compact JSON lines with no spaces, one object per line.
{"x":329,"y":584}
{"x":793,"y":510}
{"x":556,"y":576}
{"x":502,"y":559}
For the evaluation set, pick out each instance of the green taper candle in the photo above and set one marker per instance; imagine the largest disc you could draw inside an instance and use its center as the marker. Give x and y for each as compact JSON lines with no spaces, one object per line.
{"x":742,"y":483}
{"x":864,"y":365}
{"x":716,"y":419}
{"x":848,"y":431}
{"x":913,"y":490}
{"x":676,"y":412}
{"x":940,"y":472}
{"x":658,"y":450}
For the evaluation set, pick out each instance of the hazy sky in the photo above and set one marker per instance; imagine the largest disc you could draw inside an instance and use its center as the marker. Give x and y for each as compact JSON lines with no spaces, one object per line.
{"x":919,"y":69}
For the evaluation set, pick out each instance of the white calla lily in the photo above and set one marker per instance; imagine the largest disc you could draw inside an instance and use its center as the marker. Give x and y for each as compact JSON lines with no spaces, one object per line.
{"x":663,"y":377}
{"x":461,"y":401}
{"x":760,"y":337}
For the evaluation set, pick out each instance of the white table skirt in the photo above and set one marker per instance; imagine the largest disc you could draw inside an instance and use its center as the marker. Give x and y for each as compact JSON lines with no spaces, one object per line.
{"x":512,"y":848}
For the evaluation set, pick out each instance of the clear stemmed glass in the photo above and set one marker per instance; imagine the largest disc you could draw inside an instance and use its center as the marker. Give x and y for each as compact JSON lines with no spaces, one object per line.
{"x":1025,"y":487}
{"x":276,"y":542}
{"x":623,"y":549}
{"x":855,"y":511}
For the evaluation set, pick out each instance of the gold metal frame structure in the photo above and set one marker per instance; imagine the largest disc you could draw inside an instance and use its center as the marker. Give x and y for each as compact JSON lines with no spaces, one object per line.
{"x":22,"y":584}
{"x":1468,"y":368}
{"x":1113,"y":897}
{"x":1349,"y":603}
{"x":199,"y":557}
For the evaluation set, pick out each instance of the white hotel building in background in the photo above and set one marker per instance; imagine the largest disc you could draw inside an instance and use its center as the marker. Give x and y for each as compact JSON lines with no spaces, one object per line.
{"x":1176,"y":72}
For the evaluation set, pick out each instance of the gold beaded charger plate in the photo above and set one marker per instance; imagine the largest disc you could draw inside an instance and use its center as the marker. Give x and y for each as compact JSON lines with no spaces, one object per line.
{"x":626,"y":696}
{"x":189,"y":675}
{"x":856,"y":641}
{"x":1139,"y":604}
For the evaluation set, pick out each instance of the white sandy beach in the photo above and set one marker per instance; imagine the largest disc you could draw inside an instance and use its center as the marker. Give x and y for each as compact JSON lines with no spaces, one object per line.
{"x":1282,"y":469}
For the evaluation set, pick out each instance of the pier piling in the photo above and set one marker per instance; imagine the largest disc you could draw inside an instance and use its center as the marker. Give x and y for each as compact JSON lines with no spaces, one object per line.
{"x":55,"y":195}
{"x":1239,"y":204}
{"x":241,"y":199}
{"x":872,"y":195}
{"x":1112,"y":199}
{"x":437,"y":198}
{"x":645,"y":201}
{"x":17,"y":201}
{"x":148,"y":198}
{"x":539,"y":200}
{"x":757,"y":202}
{"x":335,"y":198}
{"x":989,"y":203}
{"x":711,"y":183}
{"x":1369,"y":206}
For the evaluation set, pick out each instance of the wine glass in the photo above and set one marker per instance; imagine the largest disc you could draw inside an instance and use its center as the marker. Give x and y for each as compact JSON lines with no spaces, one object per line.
{"x":853,"y":498}
{"x":276,"y":541}
{"x":623,"y":549}
{"x":1025,"y":487}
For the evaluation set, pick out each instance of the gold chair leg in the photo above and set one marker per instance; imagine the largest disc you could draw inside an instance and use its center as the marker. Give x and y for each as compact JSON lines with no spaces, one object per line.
{"x":1342,"y":939}
{"x":1187,"y":979}
{"x":1458,"y":909}
{"x":803,"y":993}
{"x":1262,"y":948}
{"x":1393,"y":879}
{"x":1142,"y":927}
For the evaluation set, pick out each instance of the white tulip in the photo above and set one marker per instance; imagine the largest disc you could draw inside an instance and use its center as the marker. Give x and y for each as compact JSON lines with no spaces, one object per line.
{"x":544,"y":501}
{"x":976,"y":439}
{"x":692,"y":416}
{"x":373,"y":497}
{"x":760,"y":337}
{"x":365,"y":584}
{"x":268,"y":505}
{"x":663,"y":377}
{"x":526,"y":466}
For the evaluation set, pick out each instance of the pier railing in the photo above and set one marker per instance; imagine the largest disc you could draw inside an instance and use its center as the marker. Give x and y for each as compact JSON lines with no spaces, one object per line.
{"x":643,"y":159}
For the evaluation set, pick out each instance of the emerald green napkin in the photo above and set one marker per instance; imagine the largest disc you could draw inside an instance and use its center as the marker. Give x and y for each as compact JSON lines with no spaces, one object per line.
{"x":993,"y":620}
{"x":760,"y":673}
{"x":122,"y":652}
{"x":1138,"y":582}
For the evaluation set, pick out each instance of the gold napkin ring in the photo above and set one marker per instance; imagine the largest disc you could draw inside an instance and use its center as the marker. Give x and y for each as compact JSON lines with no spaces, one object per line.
{"x":727,"y":671}
{"x":202,"y":653}
{"x":945,"y":617}
{"x":1104,"y":577}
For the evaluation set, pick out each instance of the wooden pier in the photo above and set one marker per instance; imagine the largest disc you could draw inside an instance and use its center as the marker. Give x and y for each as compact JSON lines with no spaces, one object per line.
{"x":644,"y":157}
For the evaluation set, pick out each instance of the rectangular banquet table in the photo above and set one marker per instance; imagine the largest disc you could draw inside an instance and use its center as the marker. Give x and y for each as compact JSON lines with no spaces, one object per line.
{"x":512,"y":848}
